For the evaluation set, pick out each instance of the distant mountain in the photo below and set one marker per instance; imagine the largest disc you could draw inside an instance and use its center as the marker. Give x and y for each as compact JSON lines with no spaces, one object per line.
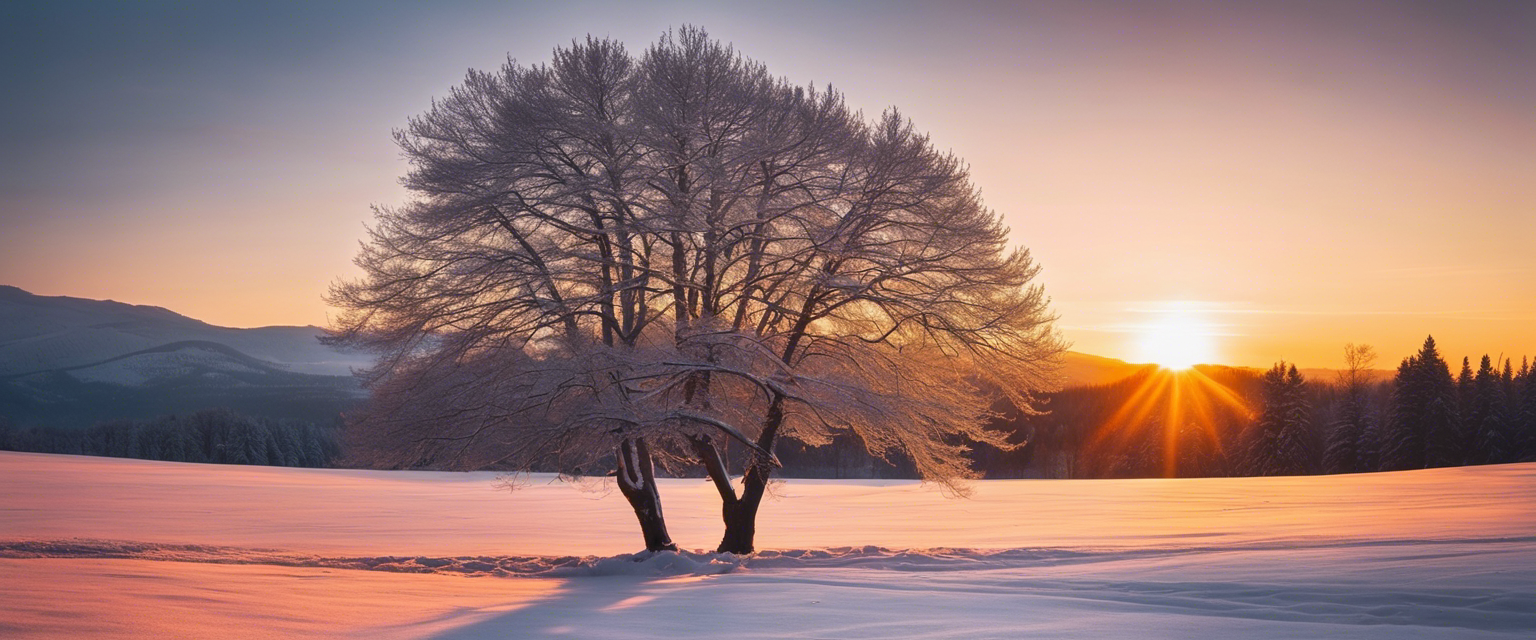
{"x":1084,"y":370}
{"x":74,"y":361}
{"x":1330,"y":376}
{"x":41,"y":333}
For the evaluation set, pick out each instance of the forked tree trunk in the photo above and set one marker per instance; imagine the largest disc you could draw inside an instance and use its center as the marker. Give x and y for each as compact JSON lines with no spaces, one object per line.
{"x":637,"y":481}
{"x":740,"y":512}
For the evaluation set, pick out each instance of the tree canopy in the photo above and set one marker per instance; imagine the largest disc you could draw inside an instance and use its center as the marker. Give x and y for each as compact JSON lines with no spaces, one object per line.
{"x":611,"y":257}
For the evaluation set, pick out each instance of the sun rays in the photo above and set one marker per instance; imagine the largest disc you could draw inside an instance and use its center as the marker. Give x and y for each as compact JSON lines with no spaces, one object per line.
{"x":1178,"y":339}
{"x":1174,"y":414}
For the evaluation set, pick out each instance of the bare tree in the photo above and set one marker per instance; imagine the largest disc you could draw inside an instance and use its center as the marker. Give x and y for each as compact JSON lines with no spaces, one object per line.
{"x":1358,"y":362}
{"x":1350,"y":444}
{"x":610,"y":260}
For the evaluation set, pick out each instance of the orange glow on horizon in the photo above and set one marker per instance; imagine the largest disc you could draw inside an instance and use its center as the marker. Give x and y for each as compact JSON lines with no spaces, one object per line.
{"x":1179,"y":339}
{"x":1304,"y":184}
{"x":1181,"y":403}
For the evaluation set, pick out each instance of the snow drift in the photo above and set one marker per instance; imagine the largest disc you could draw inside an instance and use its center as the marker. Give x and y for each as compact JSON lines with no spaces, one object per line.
{"x":124,"y":548}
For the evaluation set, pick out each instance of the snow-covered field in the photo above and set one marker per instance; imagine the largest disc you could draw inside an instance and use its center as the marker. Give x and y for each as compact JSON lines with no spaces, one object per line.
{"x":96,"y":547}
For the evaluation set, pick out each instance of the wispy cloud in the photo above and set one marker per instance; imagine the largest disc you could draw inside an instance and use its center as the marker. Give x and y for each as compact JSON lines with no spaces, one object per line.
{"x":1246,"y":308}
{"x":1452,"y":271}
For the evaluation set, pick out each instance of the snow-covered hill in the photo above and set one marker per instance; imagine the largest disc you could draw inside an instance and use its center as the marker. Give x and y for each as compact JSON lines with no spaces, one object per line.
{"x":45,"y":333}
{"x":106,"y":548}
{"x":72,"y":362}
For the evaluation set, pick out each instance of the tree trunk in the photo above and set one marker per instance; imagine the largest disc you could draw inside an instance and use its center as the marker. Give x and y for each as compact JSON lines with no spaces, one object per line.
{"x":741,"y":514}
{"x":637,"y":481}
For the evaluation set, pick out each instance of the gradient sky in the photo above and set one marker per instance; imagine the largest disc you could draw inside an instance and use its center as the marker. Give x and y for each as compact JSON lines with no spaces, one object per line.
{"x":1293,"y":175}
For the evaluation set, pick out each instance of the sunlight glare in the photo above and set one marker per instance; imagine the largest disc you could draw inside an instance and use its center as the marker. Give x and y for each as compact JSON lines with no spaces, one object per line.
{"x":1178,"y":340}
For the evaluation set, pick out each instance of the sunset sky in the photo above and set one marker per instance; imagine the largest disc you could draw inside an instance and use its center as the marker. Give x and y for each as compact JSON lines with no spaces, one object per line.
{"x":1287,"y":177}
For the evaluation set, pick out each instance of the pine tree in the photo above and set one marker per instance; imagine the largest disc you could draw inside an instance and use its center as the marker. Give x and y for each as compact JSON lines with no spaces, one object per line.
{"x":1199,"y":453}
{"x":236,"y":449}
{"x":148,"y":443}
{"x":1465,"y":390}
{"x":211,"y":436}
{"x":1370,"y":444}
{"x":1423,"y":427}
{"x":1444,"y":439}
{"x":1402,"y":445}
{"x":1279,"y":441}
{"x":258,"y":440}
{"x":1514,"y":419}
{"x":314,"y":450}
{"x":1507,"y":386}
{"x":288,"y":441}
{"x":274,"y":451}
{"x":1445,"y":442}
{"x":1492,"y":438}
{"x":1264,"y":432}
{"x":1142,"y":453}
{"x":1346,"y":440}
{"x":1299,"y":434}
{"x":1527,"y":414}
{"x":1464,"y":385}
{"x":1351,"y":440}
{"x":192,"y":445}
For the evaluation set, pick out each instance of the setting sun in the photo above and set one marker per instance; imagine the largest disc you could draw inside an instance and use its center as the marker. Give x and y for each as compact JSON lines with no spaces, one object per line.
{"x":1178,"y":339}
{"x":1046,"y":319}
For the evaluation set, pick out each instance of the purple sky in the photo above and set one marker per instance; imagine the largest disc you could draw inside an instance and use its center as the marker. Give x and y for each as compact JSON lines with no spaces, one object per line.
{"x":1292,"y":175}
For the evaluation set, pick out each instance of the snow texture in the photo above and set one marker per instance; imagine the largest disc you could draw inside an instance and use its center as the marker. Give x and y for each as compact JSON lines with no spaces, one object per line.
{"x":125,"y":548}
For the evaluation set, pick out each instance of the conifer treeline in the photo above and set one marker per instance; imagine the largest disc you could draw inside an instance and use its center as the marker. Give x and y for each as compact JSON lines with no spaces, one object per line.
{"x":214,"y":436}
{"x":1284,"y":424}
{"x":1279,"y":442}
{"x":1423,"y":417}
{"x":1435,"y":420}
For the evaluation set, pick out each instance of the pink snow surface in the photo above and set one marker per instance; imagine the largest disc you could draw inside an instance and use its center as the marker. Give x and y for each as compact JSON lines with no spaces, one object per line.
{"x":98,"y":547}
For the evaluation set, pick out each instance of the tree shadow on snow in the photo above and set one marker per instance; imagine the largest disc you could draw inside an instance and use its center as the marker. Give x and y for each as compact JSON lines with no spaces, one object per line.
{"x":610,"y":606}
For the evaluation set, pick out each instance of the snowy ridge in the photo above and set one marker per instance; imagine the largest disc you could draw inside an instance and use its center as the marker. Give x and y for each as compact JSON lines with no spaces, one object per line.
{"x":644,"y":563}
{"x":656,"y":564}
{"x":158,"y":549}
{"x":665,"y":563}
{"x":47,"y":333}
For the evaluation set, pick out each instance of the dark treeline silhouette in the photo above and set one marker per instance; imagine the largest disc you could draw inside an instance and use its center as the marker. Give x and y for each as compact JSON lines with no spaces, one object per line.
{"x":213,"y":436}
{"x":1437,"y":420}
{"x":1120,"y":430}
{"x":1224,"y":422}
{"x":1279,"y":423}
